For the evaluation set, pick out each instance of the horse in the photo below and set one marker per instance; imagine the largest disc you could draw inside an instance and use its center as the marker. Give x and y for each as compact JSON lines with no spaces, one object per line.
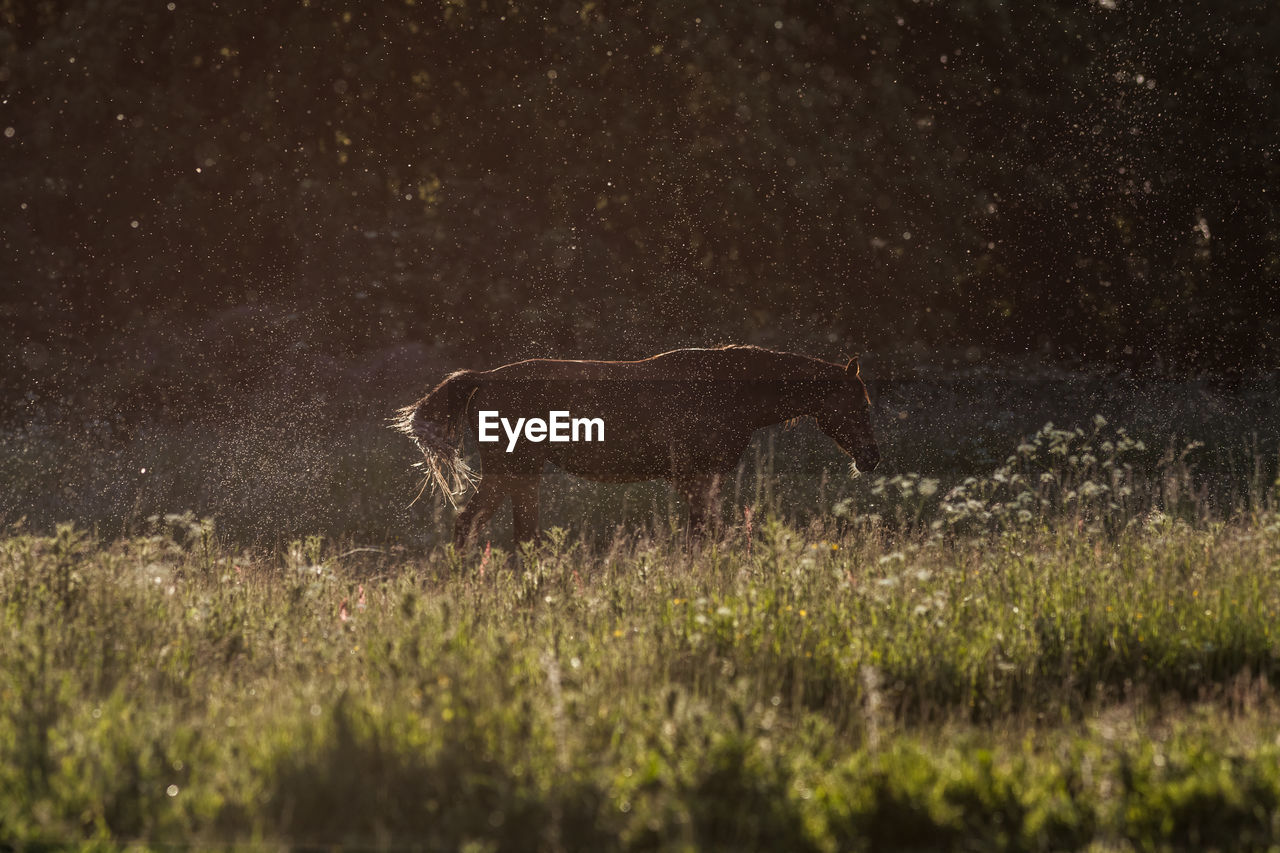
{"x":685,"y":416}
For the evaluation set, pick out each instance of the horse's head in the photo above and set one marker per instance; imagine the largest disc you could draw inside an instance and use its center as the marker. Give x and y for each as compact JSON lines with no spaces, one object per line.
{"x":844,"y":413}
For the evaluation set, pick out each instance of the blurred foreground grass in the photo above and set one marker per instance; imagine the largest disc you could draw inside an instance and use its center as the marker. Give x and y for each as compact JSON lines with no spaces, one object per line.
{"x":1049,"y":685}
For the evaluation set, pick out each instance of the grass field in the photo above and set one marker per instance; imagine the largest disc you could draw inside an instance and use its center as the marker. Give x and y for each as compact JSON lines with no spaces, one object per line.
{"x":1070,"y":651}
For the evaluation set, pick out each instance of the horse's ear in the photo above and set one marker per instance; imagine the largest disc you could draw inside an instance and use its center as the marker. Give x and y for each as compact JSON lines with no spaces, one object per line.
{"x":852,"y":368}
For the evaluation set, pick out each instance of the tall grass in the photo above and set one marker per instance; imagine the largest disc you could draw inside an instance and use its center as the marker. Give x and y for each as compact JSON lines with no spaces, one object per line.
{"x":926,"y":666}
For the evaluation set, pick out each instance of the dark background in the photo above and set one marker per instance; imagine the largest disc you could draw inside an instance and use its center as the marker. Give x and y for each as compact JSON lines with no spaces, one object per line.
{"x":237,"y":236}
{"x":188,"y":193}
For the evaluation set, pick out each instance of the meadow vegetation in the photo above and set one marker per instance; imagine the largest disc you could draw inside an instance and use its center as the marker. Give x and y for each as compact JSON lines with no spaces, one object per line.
{"x":238,"y":239}
{"x":1072,"y":650}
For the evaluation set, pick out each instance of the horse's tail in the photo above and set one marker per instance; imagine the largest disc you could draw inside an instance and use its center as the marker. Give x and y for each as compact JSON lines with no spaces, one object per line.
{"x":433,"y":423}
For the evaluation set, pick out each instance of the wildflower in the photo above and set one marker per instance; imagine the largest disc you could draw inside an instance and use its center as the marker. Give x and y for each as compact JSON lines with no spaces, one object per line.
{"x":343,"y":615}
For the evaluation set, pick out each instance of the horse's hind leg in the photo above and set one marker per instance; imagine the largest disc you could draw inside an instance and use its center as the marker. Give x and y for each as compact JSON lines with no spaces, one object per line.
{"x":478,"y":511}
{"x":524,"y":509}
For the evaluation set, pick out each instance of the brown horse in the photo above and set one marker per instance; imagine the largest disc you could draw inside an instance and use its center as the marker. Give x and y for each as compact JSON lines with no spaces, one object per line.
{"x":684,"y":416}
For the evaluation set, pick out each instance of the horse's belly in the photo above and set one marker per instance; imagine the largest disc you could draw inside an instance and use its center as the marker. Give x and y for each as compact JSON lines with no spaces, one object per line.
{"x":613,"y":464}
{"x":627,"y":463}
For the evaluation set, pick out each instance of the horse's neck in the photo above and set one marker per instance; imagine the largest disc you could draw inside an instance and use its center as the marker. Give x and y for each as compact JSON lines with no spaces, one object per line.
{"x":775,"y":409}
{"x":799,"y":390}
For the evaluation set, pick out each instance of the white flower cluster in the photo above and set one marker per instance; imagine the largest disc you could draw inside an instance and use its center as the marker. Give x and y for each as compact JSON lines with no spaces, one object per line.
{"x":1054,"y":473}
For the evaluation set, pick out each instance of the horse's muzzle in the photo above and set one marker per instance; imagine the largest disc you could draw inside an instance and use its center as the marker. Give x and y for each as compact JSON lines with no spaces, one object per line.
{"x":866,"y":458}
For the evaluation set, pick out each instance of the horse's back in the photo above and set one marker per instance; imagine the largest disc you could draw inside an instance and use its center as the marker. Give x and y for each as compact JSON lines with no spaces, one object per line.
{"x":745,"y":363}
